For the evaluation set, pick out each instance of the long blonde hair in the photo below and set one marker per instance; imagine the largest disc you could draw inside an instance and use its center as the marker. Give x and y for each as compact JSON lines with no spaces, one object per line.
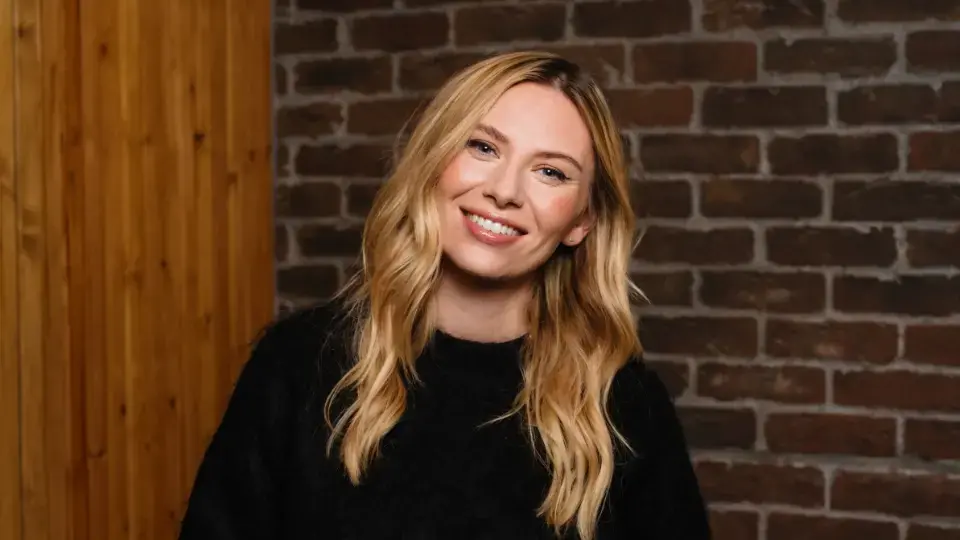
{"x":580,"y":331}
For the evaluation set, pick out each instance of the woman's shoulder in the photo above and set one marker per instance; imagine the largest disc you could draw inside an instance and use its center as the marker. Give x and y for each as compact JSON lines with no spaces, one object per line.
{"x":641,"y":404}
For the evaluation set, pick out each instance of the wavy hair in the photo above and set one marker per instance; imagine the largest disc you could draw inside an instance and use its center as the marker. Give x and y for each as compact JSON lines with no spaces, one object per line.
{"x":580,"y":332}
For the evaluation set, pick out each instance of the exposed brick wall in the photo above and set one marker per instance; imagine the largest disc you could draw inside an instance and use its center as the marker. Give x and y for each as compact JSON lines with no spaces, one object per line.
{"x":801,"y":199}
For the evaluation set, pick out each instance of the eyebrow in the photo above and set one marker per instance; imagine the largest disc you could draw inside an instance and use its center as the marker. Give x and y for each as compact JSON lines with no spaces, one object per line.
{"x":500,"y":137}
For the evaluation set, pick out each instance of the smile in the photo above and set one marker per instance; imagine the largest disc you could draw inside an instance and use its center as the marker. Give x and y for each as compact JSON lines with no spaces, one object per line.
{"x":493,"y":226}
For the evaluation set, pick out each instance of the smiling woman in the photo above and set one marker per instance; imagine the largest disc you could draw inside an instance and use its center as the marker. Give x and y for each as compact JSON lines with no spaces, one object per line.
{"x":480,"y":377}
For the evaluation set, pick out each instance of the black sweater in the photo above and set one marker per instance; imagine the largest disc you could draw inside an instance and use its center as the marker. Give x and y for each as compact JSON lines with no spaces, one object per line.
{"x":265,"y":474}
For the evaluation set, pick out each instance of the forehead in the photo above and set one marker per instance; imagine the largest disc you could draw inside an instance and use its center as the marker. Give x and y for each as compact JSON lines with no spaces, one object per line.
{"x":540,"y":117}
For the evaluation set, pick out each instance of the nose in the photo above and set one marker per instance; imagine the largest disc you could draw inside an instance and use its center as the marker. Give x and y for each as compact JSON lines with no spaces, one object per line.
{"x":505,"y":187}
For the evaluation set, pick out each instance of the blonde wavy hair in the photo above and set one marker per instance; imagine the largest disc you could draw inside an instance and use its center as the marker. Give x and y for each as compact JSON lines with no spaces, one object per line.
{"x":580,"y":332}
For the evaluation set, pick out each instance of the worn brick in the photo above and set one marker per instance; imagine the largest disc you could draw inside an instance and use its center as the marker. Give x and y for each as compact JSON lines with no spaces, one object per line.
{"x":847,"y":57}
{"x":937,"y":344}
{"x":761,"y":483}
{"x":784,"y":384}
{"x":715,"y":61}
{"x":888,"y":104}
{"x":311,"y":120}
{"x":897,"y":10}
{"x":721,"y":15}
{"x":890,"y":200}
{"x":309,"y":199}
{"x":400,"y":31}
{"x":383,"y":116}
{"x":360,"y":198}
{"x":342,"y":6}
{"x":282,"y":164}
{"x":897,"y":390}
{"x":717,"y":154}
{"x":631,"y":19}
{"x":343,"y":75}
{"x":764,"y":106}
{"x":926,"y":51}
{"x":782,"y":526}
{"x":280,"y":79}
{"x":714,"y":246}
{"x":310,"y":36}
{"x":661,"y":198}
{"x":281,"y":243}
{"x":919,"y":531}
{"x":328,"y":240}
{"x":700,"y":336}
{"x":760,"y":199}
{"x":719,"y":428}
{"x":772,"y":292}
{"x":666,"y":288}
{"x":431,"y":71}
{"x":931,"y":439}
{"x":907,"y":295}
{"x":831,"y":246}
{"x":837,"y":154}
{"x":815,"y":433}
{"x":651,"y":107}
{"x":497,"y":24}
{"x":869,"y":342}
{"x":933,"y":248}
{"x":734,"y":524}
{"x":313,"y":281}
{"x":674,"y":375}
{"x":934,"y":151}
{"x":949,"y":103}
{"x":897,"y":494}
{"x":367,"y":160}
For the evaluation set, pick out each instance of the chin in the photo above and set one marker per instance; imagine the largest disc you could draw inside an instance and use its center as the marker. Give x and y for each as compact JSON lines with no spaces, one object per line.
{"x":482,"y":267}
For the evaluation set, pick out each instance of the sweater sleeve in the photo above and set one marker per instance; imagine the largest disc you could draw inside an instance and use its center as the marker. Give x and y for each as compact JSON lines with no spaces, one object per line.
{"x":234,"y":495}
{"x":658,"y":497}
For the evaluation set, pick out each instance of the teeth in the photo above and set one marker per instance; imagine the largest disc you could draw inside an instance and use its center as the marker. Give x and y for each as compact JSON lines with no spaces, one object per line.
{"x":492,"y":226}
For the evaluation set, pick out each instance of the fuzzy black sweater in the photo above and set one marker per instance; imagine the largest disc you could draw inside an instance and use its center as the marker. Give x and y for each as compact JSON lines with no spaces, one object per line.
{"x":440,"y":476}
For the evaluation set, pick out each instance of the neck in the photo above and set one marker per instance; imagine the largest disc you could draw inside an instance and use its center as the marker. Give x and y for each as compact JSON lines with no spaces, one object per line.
{"x":479,"y":310}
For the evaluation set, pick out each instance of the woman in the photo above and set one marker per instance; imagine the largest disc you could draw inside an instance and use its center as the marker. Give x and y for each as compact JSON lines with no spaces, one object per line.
{"x":480,"y":378}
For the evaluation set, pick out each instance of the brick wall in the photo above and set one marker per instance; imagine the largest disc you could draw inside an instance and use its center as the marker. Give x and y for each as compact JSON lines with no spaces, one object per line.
{"x":801,"y":199}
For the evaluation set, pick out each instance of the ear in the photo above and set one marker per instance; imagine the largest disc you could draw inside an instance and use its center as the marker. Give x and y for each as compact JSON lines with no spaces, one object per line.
{"x":580,"y":229}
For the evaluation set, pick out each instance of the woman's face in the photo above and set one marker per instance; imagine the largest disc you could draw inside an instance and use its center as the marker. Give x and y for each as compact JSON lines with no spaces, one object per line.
{"x":519,"y":187}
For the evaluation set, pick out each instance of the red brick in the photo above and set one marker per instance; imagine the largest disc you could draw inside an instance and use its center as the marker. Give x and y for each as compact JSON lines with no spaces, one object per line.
{"x":888,"y":104}
{"x":898,"y":495}
{"x":784,"y":384}
{"x":360,"y":198}
{"x":430,"y":72}
{"x":715,"y":61}
{"x":772,"y":292}
{"x":800,"y":527}
{"x":606,"y":64}
{"x":383,"y":116}
{"x":714,"y":246}
{"x":719,"y":428}
{"x":368,"y":160}
{"x":631,"y":19}
{"x":699,"y":336}
{"x":279,"y":79}
{"x":282,"y":160}
{"x":319,"y":281}
{"x":734,"y":525}
{"x":326,"y":240}
{"x":718,"y":154}
{"x":931,"y":532}
{"x":949,"y":109}
{"x":666,"y":288}
{"x":400,"y":31}
{"x":760,"y":199}
{"x":764,"y":106}
{"x":498,"y":24}
{"x":343,"y":75}
{"x":887,"y":200}
{"x":311,"y":120}
{"x":310,"y":36}
{"x":932,"y":439}
{"x":937,"y":344}
{"x":837,"y":154}
{"x":933,"y":248}
{"x":309,"y":199}
{"x":831,"y":246}
{"x":721,"y":15}
{"x":934,"y":296}
{"x":813,"y":433}
{"x":281,"y":243}
{"x":651,"y":107}
{"x":342,"y":6}
{"x":661,"y":198}
{"x":846,"y":57}
{"x":761,"y":483}
{"x":874,"y":343}
{"x":897,"y":390}
{"x":897,"y":11}
{"x":934,"y":151}
{"x":675,"y":375}
{"x":928,"y":51}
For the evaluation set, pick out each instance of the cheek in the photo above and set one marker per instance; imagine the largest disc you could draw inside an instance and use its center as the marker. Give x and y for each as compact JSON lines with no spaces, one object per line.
{"x":559,"y":212}
{"x":461,"y":175}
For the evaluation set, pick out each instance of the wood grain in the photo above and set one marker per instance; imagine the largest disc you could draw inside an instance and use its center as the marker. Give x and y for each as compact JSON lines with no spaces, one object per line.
{"x":136,"y":255}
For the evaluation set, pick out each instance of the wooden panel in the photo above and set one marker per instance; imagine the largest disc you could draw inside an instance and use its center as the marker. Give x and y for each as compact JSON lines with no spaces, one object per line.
{"x":135,"y":252}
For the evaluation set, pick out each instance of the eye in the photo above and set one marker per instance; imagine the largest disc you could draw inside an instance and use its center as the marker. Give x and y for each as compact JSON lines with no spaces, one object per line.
{"x":481,"y":147}
{"x":553,"y":174}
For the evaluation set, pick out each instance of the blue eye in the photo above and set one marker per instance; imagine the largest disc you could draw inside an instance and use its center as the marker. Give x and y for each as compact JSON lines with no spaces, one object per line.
{"x":482,"y":147}
{"x":554,"y":174}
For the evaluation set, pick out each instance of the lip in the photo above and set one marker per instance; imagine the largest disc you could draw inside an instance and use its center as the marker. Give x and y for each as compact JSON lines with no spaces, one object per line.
{"x":487,"y":237}
{"x":496,"y":218}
